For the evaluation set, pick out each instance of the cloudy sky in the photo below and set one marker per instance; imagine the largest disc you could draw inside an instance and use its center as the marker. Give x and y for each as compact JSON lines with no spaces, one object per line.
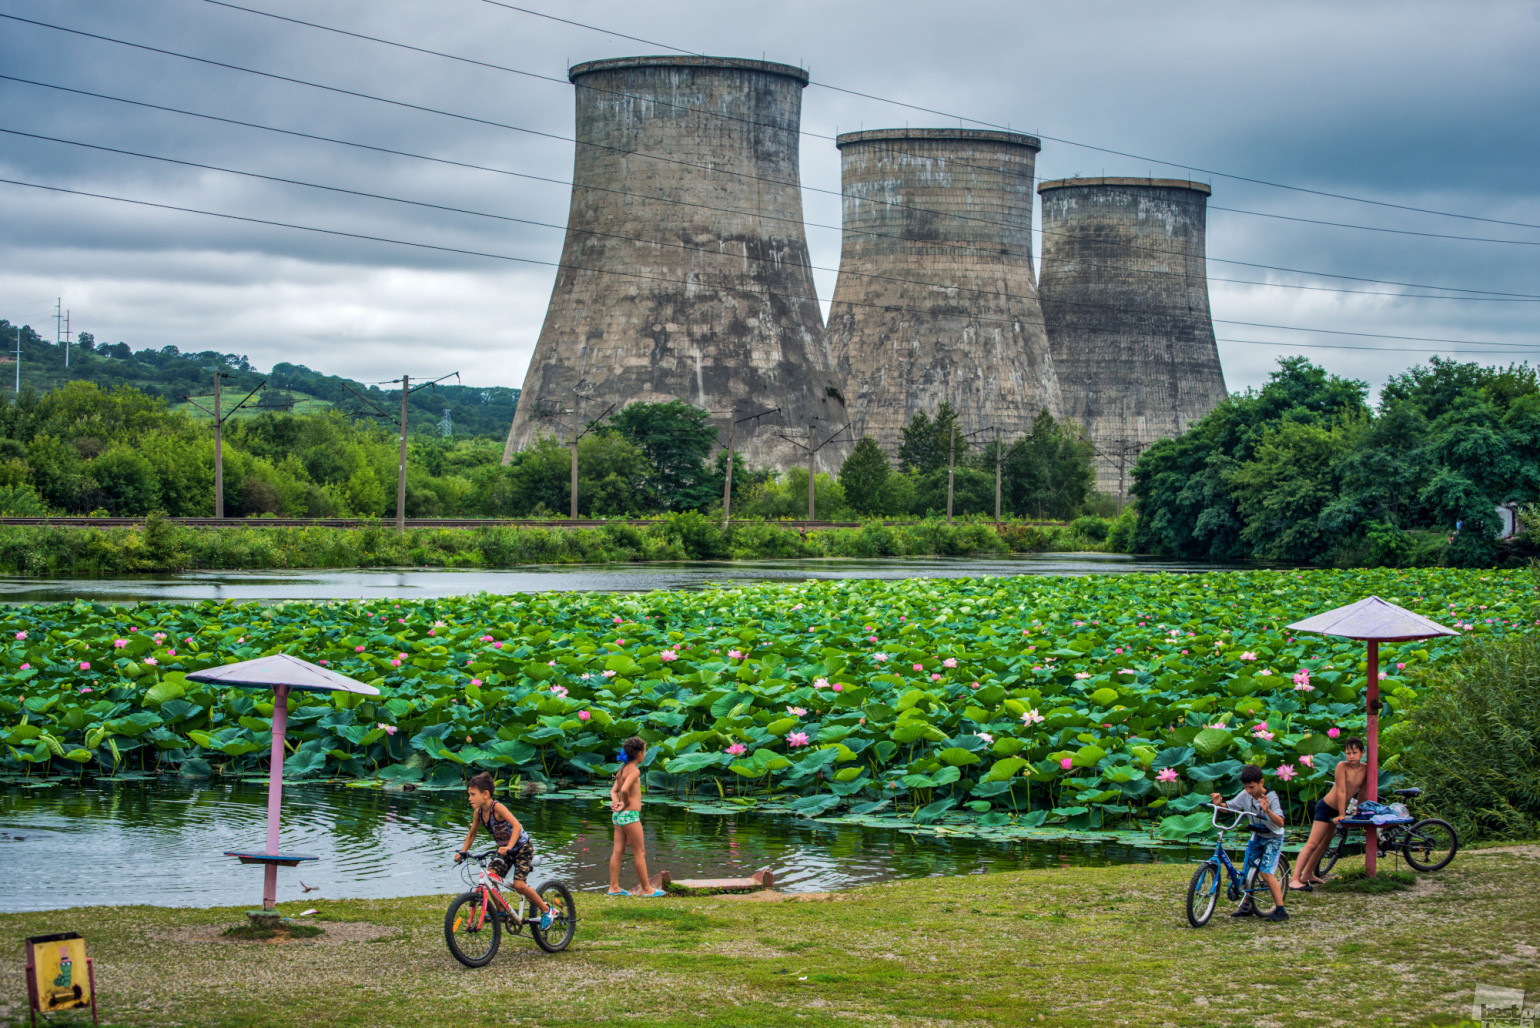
{"x":1426,"y":105}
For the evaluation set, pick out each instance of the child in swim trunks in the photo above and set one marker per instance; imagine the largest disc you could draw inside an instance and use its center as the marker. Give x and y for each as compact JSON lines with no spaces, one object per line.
{"x":515,"y":849}
{"x":626,"y":815}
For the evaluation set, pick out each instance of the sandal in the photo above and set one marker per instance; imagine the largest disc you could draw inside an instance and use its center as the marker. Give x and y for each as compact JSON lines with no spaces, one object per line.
{"x":1307,"y":887}
{"x":622,"y":892}
{"x":655,"y":894}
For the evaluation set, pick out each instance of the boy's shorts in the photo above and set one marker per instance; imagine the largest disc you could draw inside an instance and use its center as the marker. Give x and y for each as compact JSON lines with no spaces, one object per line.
{"x":1265,"y":851}
{"x":520,"y":860}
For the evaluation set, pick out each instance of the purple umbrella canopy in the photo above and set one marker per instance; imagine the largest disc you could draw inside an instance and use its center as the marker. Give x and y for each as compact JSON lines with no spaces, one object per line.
{"x":1374,"y":621}
{"x":282,"y":673}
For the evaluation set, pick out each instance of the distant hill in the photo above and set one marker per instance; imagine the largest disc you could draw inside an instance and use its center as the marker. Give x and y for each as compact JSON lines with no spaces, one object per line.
{"x":173,"y":375}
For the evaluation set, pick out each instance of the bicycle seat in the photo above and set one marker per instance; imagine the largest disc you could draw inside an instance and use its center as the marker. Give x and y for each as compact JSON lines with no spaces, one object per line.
{"x":1408,"y":792}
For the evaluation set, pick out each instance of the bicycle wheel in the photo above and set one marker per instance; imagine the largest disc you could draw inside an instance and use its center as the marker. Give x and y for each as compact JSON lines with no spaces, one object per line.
{"x":1330,"y":854}
{"x":1261,"y":895}
{"x":1430,"y":844}
{"x":563,"y":918}
{"x":472,"y":937}
{"x":1202,"y":894}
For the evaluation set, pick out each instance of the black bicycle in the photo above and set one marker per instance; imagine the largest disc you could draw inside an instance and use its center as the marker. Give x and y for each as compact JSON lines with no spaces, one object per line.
{"x":1428,"y":844}
{"x":473,"y":925}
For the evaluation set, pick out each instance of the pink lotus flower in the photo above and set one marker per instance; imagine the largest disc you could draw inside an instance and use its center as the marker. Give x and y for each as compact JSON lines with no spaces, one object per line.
{"x":1400,"y":666}
{"x":1082,"y":674}
{"x":433,"y":631}
{"x":988,"y":739}
{"x":795,"y":711}
{"x":358,"y":649}
{"x":1384,"y":675}
{"x":160,"y":637}
{"x":872,"y":639}
{"x":1118,"y":652}
{"x":1032,"y":717}
{"x":616,"y":620}
{"x":475,"y":681}
{"x":389,"y":729}
{"x":1184,"y":653}
{"x":1307,"y":760}
{"x":949,"y":662}
{"x":24,"y":667}
{"x":839,"y":687}
{"x":1264,"y":736}
{"x":1248,"y":655}
{"x":1128,"y":671}
{"x":607,"y":673}
{"x":549,"y":663}
{"x":668,"y":655}
{"x":85,"y":665}
{"x":796,"y":739}
{"x":118,"y":644}
{"x":1167,"y":775}
{"x":1264,"y":673}
{"x":974,"y":685}
{"x":879,"y":657}
{"x":151,"y":661}
{"x":1286,"y":771}
{"x":935,"y":677}
{"x":560,"y":691}
{"x":21,"y":635}
{"x":1066,"y":763}
{"x":734,"y":655}
{"x":400,"y":656}
{"x":584,"y":715}
{"x":485,"y":639}
{"x":497,"y":645}
{"x":919,"y":667}
{"x":1332,"y":733}
{"x":85,"y":688}
{"x":737,"y":749}
{"x":171,"y":653}
{"x":395,"y":663}
{"x":820,"y":683}
{"x":620,"y":642}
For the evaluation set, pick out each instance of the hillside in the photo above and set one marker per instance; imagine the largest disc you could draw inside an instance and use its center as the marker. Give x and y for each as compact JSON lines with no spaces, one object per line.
{"x":175,"y":376}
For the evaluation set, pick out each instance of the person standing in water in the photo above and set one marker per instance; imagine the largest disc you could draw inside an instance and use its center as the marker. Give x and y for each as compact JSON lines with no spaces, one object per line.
{"x":626,"y":814}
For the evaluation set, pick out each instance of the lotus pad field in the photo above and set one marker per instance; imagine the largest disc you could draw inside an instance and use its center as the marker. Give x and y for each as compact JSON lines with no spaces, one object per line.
{"x":992,"y":705}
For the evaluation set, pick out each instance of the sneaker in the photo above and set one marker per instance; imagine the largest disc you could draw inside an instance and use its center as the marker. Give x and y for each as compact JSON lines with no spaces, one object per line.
{"x":1245,"y":910}
{"x":545,"y":919}
{"x":1278,"y":914}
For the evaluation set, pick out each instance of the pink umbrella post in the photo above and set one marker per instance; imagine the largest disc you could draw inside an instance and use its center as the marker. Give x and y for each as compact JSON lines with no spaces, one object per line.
{"x":1374,"y":621}
{"x":282,"y":673}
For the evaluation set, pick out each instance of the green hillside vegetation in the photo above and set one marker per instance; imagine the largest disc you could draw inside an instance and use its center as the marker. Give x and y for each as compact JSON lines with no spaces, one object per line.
{"x":171,"y":375}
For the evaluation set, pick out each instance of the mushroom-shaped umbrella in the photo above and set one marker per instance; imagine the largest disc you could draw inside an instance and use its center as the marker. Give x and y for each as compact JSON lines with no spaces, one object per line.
{"x":283,"y":674}
{"x":1374,"y":621}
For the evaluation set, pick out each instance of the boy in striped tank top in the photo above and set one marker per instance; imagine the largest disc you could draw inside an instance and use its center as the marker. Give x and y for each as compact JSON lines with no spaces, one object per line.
{"x":515,"y":849}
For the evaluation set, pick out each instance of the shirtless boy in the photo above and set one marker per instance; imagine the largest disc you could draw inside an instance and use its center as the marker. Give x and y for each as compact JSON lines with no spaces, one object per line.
{"x":1352,"y":777}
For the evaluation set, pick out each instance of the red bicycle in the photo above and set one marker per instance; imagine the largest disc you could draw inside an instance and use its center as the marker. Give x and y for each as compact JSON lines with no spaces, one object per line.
{"x":473,"y":925}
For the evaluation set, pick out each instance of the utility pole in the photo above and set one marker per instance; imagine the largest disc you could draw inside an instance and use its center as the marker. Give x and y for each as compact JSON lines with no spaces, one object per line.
{"x":219,"y":433}
{"x":811,"y":453}
{"x":406,"y":391}
{"x":61,"y":328}
{"x":951,"y":464}
{"x":576,"y":435}
{"x":998,"y":460}
{"x":727,"y":486}
{"x":18,"y":360}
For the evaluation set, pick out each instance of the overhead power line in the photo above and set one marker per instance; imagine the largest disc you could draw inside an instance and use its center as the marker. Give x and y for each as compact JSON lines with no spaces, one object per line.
{"x":952,"y":116}
{"x":464,"y":251}
{"x":508,"y":126}
{"x":389,"y":151}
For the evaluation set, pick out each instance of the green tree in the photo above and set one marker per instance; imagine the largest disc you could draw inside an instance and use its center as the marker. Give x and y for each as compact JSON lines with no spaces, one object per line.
{"x":677,"y":438}
{"x":126,"y":482}
{"x":1281,"y":492}
{"x":1048,"y":472}
{"x":863,"y":476}
{"x":927,"y":442}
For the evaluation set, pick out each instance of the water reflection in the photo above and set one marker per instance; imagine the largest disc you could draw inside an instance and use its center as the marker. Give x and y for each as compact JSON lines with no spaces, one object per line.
{"x":162,"y":843}
{"x":430,"y":583}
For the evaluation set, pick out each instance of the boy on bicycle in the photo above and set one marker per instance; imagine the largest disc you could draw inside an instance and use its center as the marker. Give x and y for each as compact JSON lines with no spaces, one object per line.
{"x":515,"y":849}
{"x":1266,"y":814}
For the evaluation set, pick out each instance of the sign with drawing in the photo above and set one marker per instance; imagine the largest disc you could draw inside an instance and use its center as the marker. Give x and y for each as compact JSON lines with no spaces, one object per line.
{"x":59,"y":974}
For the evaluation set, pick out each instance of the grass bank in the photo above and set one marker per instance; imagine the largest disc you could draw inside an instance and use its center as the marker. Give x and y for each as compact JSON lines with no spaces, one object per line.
{"x":1066,"y":946}
{"x":161,"y":546}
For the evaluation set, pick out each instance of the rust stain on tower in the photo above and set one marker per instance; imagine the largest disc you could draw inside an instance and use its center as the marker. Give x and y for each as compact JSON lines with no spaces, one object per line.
{"x":936,"y":299}
{"x":685,"y":269}
{"x":1125,"y":295}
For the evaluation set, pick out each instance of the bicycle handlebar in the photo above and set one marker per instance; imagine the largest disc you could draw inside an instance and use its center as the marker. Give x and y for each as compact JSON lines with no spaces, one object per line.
{"x":1233,"y":824}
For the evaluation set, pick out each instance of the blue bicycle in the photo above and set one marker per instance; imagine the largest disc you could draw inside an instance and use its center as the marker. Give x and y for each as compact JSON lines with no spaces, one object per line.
{"x":1203,"y":893}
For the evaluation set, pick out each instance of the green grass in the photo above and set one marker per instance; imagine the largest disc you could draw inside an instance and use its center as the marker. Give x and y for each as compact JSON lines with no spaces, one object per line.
{"x":286,"y":931}
{"x":1358,"y":880}
{"x":1053,"y":947}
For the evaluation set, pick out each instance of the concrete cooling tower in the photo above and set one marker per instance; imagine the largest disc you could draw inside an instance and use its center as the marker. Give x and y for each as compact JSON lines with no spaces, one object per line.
{"x":1125,"y":295}
{"x":935,"y":298}
{"x":685,"y":270}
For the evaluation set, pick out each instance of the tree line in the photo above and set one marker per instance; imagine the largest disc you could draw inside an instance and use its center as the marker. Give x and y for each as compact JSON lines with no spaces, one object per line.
{"x":1305,"y":470}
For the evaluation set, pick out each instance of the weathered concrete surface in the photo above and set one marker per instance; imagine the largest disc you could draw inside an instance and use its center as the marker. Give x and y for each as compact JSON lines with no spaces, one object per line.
{"x":1125,"y":295}
{"x":685,"y":270}
{"x":936,"y":298}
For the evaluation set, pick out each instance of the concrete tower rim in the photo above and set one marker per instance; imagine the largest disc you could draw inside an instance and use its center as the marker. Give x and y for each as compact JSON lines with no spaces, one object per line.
{"x":1020,"y":139}
{"x":790,"y":71}
{"x":1148,"y":183}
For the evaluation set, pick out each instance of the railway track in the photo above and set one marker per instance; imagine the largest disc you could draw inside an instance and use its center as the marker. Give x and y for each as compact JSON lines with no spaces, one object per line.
{"x":109,"y":522}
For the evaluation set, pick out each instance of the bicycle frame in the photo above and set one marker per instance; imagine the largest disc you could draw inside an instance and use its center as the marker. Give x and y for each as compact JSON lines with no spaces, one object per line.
{"x":1237,"y":887}
{"x":489,"y":886}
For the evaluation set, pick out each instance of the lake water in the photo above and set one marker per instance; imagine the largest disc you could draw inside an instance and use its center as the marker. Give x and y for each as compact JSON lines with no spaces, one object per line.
{"x":430,"y":583}
{"x":162,"y":842}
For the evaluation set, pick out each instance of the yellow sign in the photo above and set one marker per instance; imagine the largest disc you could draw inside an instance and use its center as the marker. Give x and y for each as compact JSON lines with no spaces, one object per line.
{"x":60,"y":973}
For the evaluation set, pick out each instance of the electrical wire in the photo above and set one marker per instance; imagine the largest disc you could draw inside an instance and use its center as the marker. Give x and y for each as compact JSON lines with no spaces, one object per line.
{"x":1482,"y":294}
{"x":654,"y":278}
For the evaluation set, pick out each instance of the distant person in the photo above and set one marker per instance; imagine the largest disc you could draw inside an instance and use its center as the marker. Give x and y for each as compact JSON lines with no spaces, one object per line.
{"x":626,"y":815}
{"x":1266,"y":814}
{"x":515,"y":849}
{"x":1351,"y":777}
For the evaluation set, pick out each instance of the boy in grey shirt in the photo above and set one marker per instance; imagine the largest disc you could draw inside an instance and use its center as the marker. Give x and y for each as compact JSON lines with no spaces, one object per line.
{"x":1266,"y":813}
